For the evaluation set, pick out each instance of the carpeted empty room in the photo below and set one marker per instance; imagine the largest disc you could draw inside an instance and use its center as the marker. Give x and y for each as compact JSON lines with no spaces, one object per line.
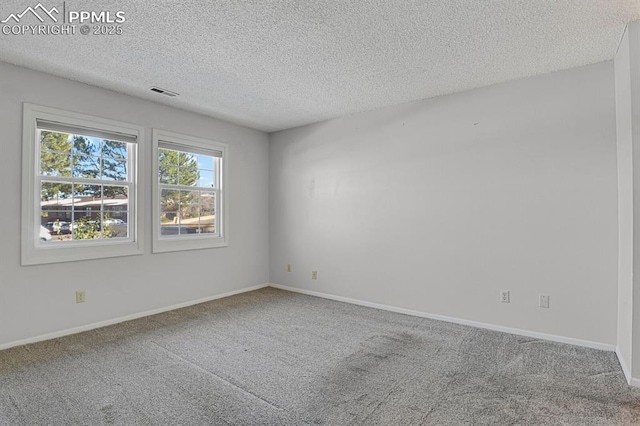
{"x":320,"y":212}
{"x":273,"y":357}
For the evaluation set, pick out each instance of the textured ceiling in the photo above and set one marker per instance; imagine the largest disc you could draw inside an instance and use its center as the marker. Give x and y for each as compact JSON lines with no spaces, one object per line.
{"x":273,"y":65}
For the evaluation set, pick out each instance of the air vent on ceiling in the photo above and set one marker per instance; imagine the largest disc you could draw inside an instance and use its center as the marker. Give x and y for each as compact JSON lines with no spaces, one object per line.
{"x":164,"y":92}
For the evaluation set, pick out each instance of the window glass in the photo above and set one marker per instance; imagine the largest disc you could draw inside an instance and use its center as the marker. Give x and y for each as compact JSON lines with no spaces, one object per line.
{"x":187,"y":193}
{"x":76,"y":202}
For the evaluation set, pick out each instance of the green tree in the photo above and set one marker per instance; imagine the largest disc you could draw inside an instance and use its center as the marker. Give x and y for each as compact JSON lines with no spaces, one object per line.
{"x":87,"y":156}
{"x":55,"y":160}
{"x":87,"y":229}
{"x":176,"y":168}
{"x":64,"y":156}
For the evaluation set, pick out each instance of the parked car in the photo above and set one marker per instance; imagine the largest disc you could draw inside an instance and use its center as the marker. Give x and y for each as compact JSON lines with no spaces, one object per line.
{"x":58,"y":227}
{"x":45,"y":235}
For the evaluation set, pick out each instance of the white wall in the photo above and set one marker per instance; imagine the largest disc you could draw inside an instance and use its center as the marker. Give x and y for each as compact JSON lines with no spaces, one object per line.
{"x":634,"y":57}
{"x":436,"y":205}
{"x":625,"y":203}
{"x":36,"y":300}
{"x":627,"y":78}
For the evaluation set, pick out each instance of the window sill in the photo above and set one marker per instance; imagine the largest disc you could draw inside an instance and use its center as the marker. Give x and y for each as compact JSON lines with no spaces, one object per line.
{"x":164,"y":245}
{"x":57,"y":253}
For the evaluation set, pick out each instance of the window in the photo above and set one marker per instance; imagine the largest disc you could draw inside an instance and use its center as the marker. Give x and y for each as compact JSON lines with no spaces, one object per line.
{"x":189,"y":192}
{"x":79,"y":187}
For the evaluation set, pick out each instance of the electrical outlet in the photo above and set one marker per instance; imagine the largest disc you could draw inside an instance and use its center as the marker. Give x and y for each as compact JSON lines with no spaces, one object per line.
{"x":314,"y":275}
{"x":288,"y":267}
{"x":505,"y":296}
{"x":544,"y":301}
{"x":80,"y":296}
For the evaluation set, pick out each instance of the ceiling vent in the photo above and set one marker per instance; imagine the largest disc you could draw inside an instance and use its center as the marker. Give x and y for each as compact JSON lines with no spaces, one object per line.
{"x":164,"y":92}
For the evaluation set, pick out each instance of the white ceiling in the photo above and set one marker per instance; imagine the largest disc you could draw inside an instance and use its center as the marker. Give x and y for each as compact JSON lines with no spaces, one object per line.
{"x":273,"y":65}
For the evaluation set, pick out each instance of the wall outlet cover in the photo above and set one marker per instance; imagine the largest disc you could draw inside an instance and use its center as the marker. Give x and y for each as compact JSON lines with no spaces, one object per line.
{"x":544,"y":301}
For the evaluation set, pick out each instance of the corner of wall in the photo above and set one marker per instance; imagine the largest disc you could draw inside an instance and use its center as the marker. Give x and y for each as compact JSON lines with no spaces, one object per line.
{"x":625,"y":368}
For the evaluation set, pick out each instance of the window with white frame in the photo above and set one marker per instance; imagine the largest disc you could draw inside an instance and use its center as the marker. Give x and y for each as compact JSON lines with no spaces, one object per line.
{"x":79,"y":187}
{"x":189,"y":193}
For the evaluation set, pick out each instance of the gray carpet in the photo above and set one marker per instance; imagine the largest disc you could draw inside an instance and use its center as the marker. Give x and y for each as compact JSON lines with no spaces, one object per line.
{"x":271,"y":357}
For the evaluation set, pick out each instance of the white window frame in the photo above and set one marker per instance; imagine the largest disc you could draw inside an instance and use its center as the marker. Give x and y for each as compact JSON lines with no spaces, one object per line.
{"x":33,"y":250}
{"x":198,"y":241}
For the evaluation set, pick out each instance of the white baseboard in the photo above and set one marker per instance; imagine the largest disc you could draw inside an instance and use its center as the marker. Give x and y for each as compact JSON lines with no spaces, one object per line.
{"x":100,"y":324}
{"x":625,"y":368}
{"x":533,"y":334}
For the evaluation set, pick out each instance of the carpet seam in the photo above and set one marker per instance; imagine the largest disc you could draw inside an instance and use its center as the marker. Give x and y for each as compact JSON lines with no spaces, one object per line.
{"x":211,"y":373}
